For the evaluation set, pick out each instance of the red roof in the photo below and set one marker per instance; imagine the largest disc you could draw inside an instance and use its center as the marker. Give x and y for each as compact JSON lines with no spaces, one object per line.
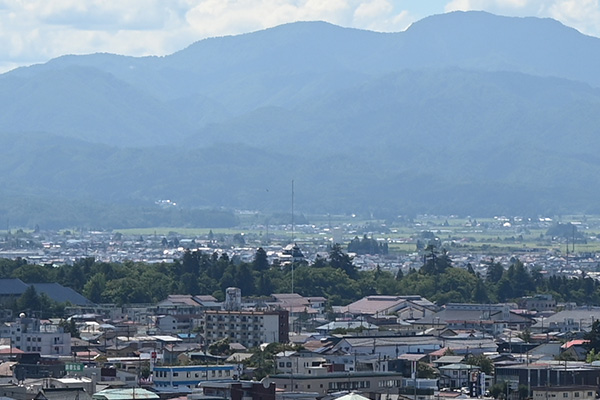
{"x":439,"y":352}
{"x":8,"y":350}
{"x":576,"y":342}
{"x":85,"y":354}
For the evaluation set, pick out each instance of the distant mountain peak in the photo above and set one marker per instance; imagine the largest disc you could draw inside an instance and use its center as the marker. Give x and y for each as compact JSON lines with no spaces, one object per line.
{"x":483,"y":21}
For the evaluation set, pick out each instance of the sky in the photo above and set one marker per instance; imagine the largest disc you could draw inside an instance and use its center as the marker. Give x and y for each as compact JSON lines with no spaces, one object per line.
{"x":35,"y":31}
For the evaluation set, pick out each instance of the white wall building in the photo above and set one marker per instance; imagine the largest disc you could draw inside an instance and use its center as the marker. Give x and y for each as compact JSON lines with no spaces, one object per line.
{"x":249,"y":328}
{"x":28,"y":335}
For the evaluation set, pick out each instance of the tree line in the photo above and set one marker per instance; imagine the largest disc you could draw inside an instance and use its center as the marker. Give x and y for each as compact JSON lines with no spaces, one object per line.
{"x":334,"y":277}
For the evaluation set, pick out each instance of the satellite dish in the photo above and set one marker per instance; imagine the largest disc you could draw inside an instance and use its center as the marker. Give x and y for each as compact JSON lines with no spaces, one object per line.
{"x":22,"y":315}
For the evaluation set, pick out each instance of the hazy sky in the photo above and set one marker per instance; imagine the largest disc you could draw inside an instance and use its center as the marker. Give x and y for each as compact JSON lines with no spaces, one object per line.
{"x":34,"y":31}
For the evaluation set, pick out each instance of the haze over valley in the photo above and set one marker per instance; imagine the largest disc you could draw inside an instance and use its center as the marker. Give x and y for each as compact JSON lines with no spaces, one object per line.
{"x":463,"y":113}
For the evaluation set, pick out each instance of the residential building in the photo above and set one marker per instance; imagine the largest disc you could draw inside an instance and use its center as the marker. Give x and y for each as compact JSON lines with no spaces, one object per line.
{"x":303,"y":311}
{"x":539,"y":303}
{"x":576,"y":392}
{"x":492,"y":319}
{"x":32,"y":366}
{"x":387,"y":346}
{"x":298,"y":362}
{"x":577,"y":319}
{"x":87,"y":385}
{"x":548,"y":373}
{"x":29,"y":335}
{"x":167,"y":378}
{"x":234,"y":390}
{"x":324,"y":383}
{"x":175,"y":323}
{"x":363,"y":327}
{"x":249,"y":328}
{"x":405,"y":307}
{"x":575,"y":350}
{"x":186,"y":304}
{"x":457,"y":375}
{"x":447,"y":360}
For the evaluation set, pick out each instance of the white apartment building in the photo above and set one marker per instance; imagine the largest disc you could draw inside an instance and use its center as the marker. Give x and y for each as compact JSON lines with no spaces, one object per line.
{"x":28,"y":335}
{"x":249,"y":328}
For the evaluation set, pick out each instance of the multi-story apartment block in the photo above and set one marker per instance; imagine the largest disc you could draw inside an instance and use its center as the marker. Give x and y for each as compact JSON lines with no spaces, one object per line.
{"x":249,"y":328}
{"x":28,"y":335}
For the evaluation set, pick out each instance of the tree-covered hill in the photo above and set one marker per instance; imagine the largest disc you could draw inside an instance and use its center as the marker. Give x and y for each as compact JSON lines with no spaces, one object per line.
{"x":466,"y":113}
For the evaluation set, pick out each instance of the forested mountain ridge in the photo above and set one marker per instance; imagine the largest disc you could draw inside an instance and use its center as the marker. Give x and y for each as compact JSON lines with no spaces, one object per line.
{"x":289,"y":65}
{"x":462,"y":113}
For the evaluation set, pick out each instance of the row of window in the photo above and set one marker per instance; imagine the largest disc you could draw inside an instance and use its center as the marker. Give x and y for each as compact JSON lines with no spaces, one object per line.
{"x":565,"y":395}
{"x":194,"y":374}
{"x":232,"y":326}
{"x":36,"y":339}
{"x":231,"y":318}
{"x":349,"y":385}
{"x":390,"y":383}
{"x":307,"y":386}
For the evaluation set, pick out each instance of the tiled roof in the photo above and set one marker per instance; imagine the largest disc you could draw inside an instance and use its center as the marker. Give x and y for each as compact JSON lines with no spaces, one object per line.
{"x":376,"y":304}
{"x":12,"y":286}
{"x":60,"y":293}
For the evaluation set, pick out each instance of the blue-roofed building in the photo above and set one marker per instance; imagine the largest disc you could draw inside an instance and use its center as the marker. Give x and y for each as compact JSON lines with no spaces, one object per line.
{"x":13,"y":287}
{"x":61,"y":293}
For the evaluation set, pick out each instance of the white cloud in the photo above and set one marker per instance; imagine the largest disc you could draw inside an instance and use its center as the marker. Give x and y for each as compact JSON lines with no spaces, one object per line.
{"x":373,"y":9}
{"x":583,"y":15}
{"x":495,"y":6}
{"x":380,"y":15}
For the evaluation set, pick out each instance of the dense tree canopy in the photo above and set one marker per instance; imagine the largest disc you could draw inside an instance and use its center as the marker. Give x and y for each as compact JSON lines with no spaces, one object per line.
{"x":334,"y":277}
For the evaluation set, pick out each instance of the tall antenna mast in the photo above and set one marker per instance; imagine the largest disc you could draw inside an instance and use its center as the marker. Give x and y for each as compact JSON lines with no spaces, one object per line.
{"x":292,"y":211}
{"x":293,"y":236}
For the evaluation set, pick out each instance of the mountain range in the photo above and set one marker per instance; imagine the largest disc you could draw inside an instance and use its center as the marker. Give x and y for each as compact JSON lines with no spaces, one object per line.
{"x":463,"y":113}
